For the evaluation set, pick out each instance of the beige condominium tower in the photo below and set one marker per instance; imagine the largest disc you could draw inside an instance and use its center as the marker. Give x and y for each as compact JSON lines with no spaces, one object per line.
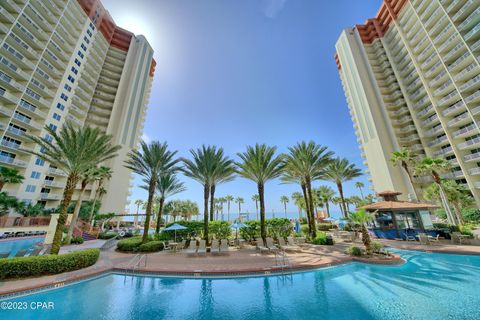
{"x":411,"y":77}
{"x":66,"y":60}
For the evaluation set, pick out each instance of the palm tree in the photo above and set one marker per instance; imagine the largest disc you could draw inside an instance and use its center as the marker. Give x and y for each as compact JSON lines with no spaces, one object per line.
{"x":307,"y":162}
{"x":406,"y":160}
{"x":8,"y":175}
{"x":150,"y":162}
{"x":239,"y":201}
{"x":228,"y":198}
{"x":256,"y":198}
{"x":326,"y":195}
{"x":260,"y":164}
{"x":361,"y":218}
{"x":103,"y":173}
{"x":284,"y":200}
{"x":74,"y":151}
{"x":299,"y":201}
{"x":222,"y":170}
{"x":340,"y":171}
{"x":167,"y":186}
{"x":359,"y":185}
{"x":138,"y":203}
{"x":88,"y":176}
{"x":433,"y":167}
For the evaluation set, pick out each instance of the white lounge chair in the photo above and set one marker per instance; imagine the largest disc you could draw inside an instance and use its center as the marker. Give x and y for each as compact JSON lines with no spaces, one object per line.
{"x":181,"y":245}
{"x":291,"y":243}
{"x":214,"y":247}
{"x":260,"y":246}
{"x":192,"y":248}
{"x":284,"y":246}
{"x":422,"y":237}
{"x":271,"y":246}
{"x":202,"y":247}
{"x":457,"y":237}
{"x":224,"y":248}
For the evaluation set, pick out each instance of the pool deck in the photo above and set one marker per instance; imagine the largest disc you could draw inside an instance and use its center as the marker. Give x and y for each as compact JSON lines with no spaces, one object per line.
{"x":237,"y":262}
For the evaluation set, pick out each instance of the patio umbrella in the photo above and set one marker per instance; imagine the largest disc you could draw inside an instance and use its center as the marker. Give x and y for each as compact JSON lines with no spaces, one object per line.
{"x":175,"y":227}
{"x":297,"y":226}
{"x":236,"y":226}
{"x":329,"y":219}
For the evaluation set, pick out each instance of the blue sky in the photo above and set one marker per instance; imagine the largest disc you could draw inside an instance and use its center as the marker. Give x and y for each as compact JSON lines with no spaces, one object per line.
{"x":233,"y":73}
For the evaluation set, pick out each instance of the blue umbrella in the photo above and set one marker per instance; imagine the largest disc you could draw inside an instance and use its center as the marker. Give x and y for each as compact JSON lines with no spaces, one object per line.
{"x":297,"y":226}
{"x":175,"y":227}
{"x":329,"y":219}
{"x":236,"y":226}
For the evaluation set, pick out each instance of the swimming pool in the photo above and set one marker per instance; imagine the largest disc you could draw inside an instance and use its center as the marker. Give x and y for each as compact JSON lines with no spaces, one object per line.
{"x":428,"y":286}
{"x":17,"y":244}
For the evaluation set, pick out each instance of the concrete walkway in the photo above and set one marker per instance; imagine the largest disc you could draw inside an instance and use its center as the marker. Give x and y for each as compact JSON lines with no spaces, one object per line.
{"x":444,"y":246}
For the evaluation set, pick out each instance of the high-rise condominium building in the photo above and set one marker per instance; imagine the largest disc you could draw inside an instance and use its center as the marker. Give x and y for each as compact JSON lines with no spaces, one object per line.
{"x":66,"y":60}
{"x":411,"y":77}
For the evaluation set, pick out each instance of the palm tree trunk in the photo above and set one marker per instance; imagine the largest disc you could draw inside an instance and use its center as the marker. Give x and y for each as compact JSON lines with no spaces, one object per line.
{"x":1,"y":185}
{"x":239,"y":210}
{"x":148,"y":213}
{"x":135,"y":221}
{"x":263,"y":231}
{"x":342,"y":198}
{"x":212,"y":202}
{"x":313,"y":232}
{"x":458,"y":213}
{"x":307,"y":210}
{"x":361,"y":193}
{"x":94,"y":203}
{"x":256,"y":208}
{"x":366,"y":240}
{"x":228,"y":210}
{"x":159,"y":215}
{"x":443,"y":197}
{"x":76,"y":212}
{"x":206,"y":191}
{"x":285,"y":207}
{"x":62,"y":217}
{"x":327,"y":206}
{"x":405,"y":167}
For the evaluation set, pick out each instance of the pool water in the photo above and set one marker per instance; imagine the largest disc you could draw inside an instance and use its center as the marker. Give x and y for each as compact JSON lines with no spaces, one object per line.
{"x":15,"y":245}
{"x":428,"y":286}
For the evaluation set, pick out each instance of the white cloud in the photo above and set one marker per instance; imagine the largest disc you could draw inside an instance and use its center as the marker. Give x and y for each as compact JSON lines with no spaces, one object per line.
{"x":146,"y":138}
{"x":272,"y":7}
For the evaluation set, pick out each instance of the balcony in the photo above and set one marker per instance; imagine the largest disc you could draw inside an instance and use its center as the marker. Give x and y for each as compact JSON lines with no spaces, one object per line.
{"x":438,"y":141}
{"x":443,"y":152}
{"x":434,"y":131}
{"x":13,"y":162}
{"x":400,"y":112}
{"x":444,"y":87}
{"x":473,"y":34}
{"x":49,"y":196}
{"x":422,"y":180}
{"x":7,"y":98}
{"x":470,"y":129}
{"x":464,"y":9}
{"x":410,"y":138}
{"x":430,"y":120}
{"x":453,"y":95}
{"x":471,"y":84}
{"x":406,"y":129}
{"x":426,"y":111}
{"x":472,"y":157}
{"x":54,"y":184}
{"x":6,"y":112}
{"x":27,"y":122}
{"x":458,"y":106}
{"x":31,"y":109}
{"x":56,"y":172}
{"x":416,"y":147}
{"x":460,"y":119}
{"x":474,"y":171}
{"x":460,"y":62}
{"x":466,"y":72}
{"x":475,"y":97}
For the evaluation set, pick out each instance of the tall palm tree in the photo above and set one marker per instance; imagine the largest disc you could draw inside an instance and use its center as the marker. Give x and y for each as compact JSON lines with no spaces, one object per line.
{"x":138,"y":203}
{"x":201,"y":169}
{"x":9,"y":175}
{"x":167,"y":186}
{"x":74,"y":151}
{"x":223,"y":170}
{"x":433,"y":167}
{"x":308,"y":161}
{"x":284,"y":200}
{"x":359,"y":185}
{"x":256,"y":198}
{"x":150,"y":161}
{"x":103,"y":173}
{"x":239,"y":201}
{"x":361,"y":218}
{"x":340,"y":171}
{"x":228,"y":198}
{"x":406,"y":160}
{"x":88,"y":176}
{"x":260,"y":164}
{"x":299,"y":201}
{"x":326,"y":195}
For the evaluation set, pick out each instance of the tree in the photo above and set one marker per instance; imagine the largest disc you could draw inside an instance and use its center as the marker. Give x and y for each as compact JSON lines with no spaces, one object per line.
{"x":222,"y":170}
{"x":239,"y":201}
{"x":183,"y":208}
{"x":138,"y":203}
{"x":150,"y":162}
{"x":326,"y":195}
{"x":284,"y":200}
{"x":167,"y":186}
{"x":433,"y":167}
{"x":88,"y":176}
{"x":74,"y":151}
{"x":299,"y":201}
{"x":260,"y":164}
{"x":228,"y":198}
{"x":307,"y":162}
{"x":8,"y":202}
{"x":256,"y":198}
{"x":359,"y":185}
{"x":103,"y":173}
{"x":340,"y":171}
{"x":406,"y":160}
{"x":9,"y":175}
{"x":361,"y":218}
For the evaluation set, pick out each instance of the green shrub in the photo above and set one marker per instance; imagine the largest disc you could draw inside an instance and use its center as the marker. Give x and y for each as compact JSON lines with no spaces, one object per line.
{"x":354,"y":251}
{"x":471,"y":214}
{"x":326,"y":226}
{"x":49,"y":264}
{"x":107,"y":235}
{"x":450,"y":227}
{"x":251,"y":230}
{"x":76,"y":240}
{"x":320,"y":239}
{"x":151,"y":246}
{"x":278,"y":227}
{"x":220,"y":229}
{"x":130,"y":244}
{"x":304,"y":229}
{"x":466,"y":231}
{"x":377,"y":246}
{"x":303,"y":220}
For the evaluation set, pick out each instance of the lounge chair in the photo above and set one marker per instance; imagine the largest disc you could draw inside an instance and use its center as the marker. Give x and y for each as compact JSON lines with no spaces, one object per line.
{"x":271,"y":246}
{"x":224,"y":248}
{"x":181,"y":246}
{"x":192,"y":248}
{"x":35,"y":252}
{"x":260,"y":246}
{"x":457,"y":237}
{"x":202,"y":247}
{"x":21,"y":253}
{"x":214,"y":247}
{"x":423,"y":238}
{"x":291,"y":243}
{"x":284,"y":246}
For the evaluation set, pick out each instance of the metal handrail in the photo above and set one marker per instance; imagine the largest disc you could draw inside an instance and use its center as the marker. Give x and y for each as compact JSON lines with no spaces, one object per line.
{"x":109,"y":243}
{"x":136,"y":260}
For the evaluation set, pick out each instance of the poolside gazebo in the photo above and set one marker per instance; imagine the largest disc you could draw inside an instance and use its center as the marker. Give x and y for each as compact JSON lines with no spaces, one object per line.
{"x":396,"y":219}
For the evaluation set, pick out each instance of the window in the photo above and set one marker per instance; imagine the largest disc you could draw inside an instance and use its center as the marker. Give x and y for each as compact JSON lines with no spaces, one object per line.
{"x":60,"y":106}
{"x":67,"y":87}
{"x":383,"y":220}
{"x":48,"y":137}
{"x":80,"y":54}
{"x":92,"y":26}
{"x":84,"y":47}
{"x":30,"y":188}
{"x":77,"y":62}
{"x":53,"y":127}
{"x":64,"y":97}
{"x":89,"y":33}
{"x":43,"y":149}
{"x":56,"y":116}
{"x":35,"y":175}
{"x":74,"y":70}
{"x":39,"y":162}
{"x":71,"y":79}
{"x":86,"y":40}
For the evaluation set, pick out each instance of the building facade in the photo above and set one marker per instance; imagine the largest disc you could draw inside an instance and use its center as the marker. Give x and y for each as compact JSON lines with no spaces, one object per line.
{"x":411,"y":77}
{"x":66,"y":60}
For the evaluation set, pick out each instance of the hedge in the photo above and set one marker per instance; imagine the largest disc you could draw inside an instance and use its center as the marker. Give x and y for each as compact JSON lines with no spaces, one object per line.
{"x":320,"y":239}
{"x":130,"y":244}
{"x":107,"y":235}
{"x":48,"y":264}
{"x":151,"y":246}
